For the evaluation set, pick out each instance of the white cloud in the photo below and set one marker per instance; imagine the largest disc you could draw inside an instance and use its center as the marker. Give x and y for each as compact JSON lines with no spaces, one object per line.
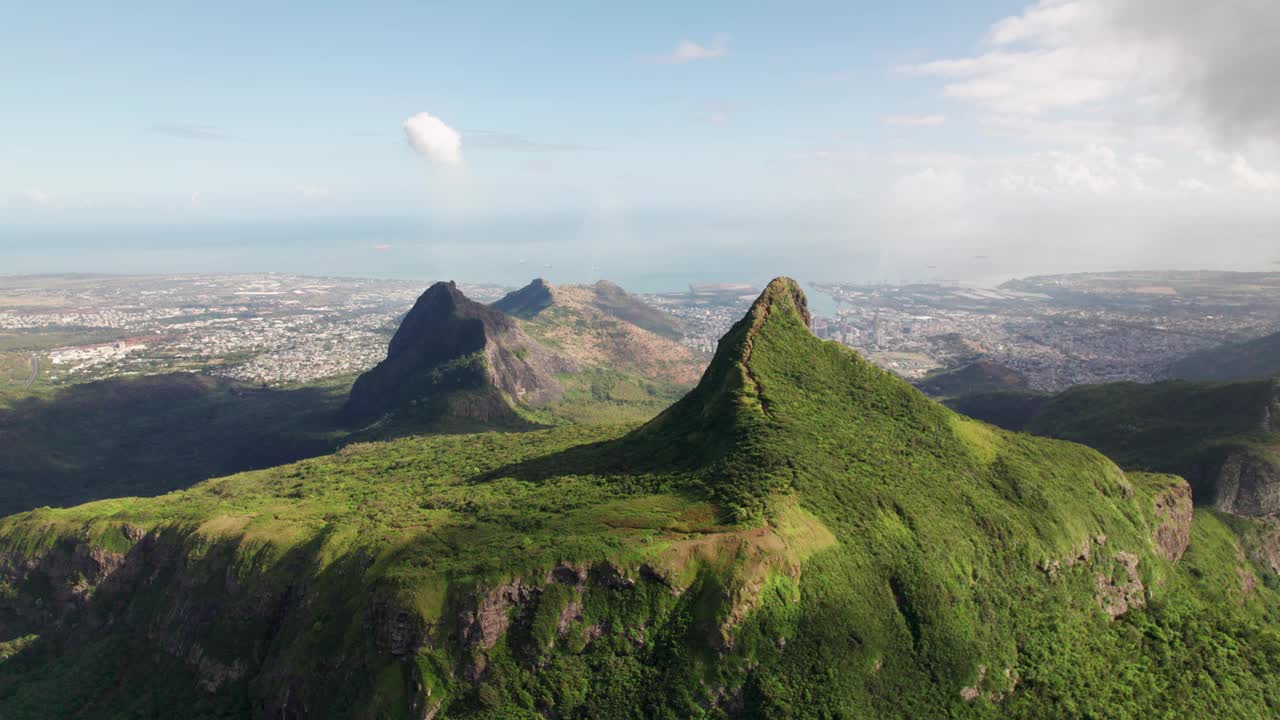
{"x":1253,"y":178}
{"x":915,"y":120}
{"x":1194,"y":185}
{"x":1127,"y":95}
{"x":688,"y":51}
{"x":313,"y":192}
{"x":434,"y":140}
{"x":1214,"y":61}
{"x":931,"y":190}
{"x":1057,"y":54}
{"x":36,"y":196}
{"x":1221,"y":59}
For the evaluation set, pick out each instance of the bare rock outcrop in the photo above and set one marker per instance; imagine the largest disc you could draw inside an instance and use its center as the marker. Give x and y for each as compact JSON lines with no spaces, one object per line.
{"x":484,"y":625}
{"x":397,"y":630}
{"x":70,"y":573}
{"x":1121,"y":590}
{"x":1173,"y":521}
{"x":1249,"y":484}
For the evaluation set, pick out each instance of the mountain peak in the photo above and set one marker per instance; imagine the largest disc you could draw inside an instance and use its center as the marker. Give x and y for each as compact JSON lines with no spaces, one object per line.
{"x":454,"y":357}
{"x":759,"y":393}
{"x":528,"y":300}
{"x":784,"y":293}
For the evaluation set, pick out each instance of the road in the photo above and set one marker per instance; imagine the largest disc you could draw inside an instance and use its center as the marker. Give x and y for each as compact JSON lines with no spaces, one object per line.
{"x":35,"y":371}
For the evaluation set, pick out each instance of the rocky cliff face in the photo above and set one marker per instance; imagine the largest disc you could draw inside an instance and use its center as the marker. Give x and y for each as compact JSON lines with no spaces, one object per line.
{"x":1249,"y":484}
{"x":1173,"y":512}
{"x":456,"y":357}
{"x":200,"y":608}
{"x":1271,"y":411}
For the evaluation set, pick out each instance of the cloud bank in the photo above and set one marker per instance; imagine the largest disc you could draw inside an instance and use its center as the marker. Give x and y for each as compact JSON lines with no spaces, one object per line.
{"x":1216,"y":60}
{"x":433,"y":140}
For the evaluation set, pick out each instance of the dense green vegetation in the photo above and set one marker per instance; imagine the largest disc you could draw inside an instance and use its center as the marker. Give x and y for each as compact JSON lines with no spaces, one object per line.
{"x":148,"y":435}
{"x":1009,"y":410}
{"x":980,"y":376}
{"x":802,"y":536}
{"x":604,"y":395}
{"x":1252,"y":360}
{"x":1179,"y":427}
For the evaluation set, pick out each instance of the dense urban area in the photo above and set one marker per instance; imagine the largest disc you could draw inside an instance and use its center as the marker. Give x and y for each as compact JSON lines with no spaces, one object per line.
{"x":276,"y":329}
{"x":263,"y":328}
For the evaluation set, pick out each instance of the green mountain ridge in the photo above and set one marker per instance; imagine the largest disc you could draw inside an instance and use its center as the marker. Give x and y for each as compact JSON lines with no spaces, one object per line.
{"x":1252,"y":360}
{"x":979,"y":376}
{"x":802,"y":536}
{"x":1224,"y":438}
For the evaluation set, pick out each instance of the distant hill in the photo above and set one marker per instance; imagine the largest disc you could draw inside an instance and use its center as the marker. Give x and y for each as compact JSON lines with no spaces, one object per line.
{"x":540,"y":355}
{"x":979,"y":376}
{"x":1252,"y":360}
{"x":454,"y":362}
{"x":527,"y":301}
{"x":453,"y":366}
{"x":630,"y":366}
{"x":803,"y":535}
{"x":1223,"y":437}
{"x":1009,"y":410}
{"x":603,"y":298}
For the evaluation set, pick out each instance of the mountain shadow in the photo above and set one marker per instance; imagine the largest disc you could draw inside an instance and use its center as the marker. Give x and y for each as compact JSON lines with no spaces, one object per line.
{"x":150,"y":435}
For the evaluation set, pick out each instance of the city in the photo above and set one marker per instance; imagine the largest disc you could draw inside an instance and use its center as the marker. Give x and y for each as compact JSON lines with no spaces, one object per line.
{"x":281,"y":330}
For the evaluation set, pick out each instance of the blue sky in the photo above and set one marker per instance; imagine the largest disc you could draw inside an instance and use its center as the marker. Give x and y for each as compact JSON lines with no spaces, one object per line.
{"x":651,"y":139}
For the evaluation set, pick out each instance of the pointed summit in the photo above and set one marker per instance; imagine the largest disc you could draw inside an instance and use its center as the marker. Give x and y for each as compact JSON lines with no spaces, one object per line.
{"x":729,"y":384}
{"x":528,"y":300}
{"x":454,"y":358}
{"x":776,"y":399}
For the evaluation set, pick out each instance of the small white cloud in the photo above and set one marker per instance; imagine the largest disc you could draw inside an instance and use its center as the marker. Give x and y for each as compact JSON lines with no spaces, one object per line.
{"x":36,"y":196}
{"x":688,"y":51}
{"x":1194,"y":185}
{"x":915,"y":120}
{"x":434,"y":140}
{"x":931,"y":190}
{"x":312,"y":192}
{"x":1251,"y":177}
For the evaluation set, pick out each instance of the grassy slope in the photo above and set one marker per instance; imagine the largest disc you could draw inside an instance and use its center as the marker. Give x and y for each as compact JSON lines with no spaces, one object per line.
{"x":876,"y":552}
{"x":1187,"y":428}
